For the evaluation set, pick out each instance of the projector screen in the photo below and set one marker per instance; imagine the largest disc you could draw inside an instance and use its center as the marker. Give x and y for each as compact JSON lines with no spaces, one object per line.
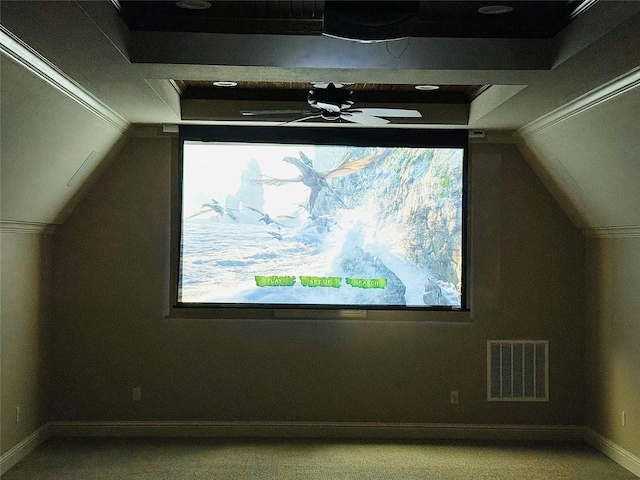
{"x":344,"y":221}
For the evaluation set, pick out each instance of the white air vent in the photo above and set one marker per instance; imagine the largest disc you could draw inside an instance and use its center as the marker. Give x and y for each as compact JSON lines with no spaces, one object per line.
{"x":518,"y":370}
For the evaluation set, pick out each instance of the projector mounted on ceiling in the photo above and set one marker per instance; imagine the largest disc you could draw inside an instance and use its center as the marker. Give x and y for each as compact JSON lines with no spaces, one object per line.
{"x":367,"y":21}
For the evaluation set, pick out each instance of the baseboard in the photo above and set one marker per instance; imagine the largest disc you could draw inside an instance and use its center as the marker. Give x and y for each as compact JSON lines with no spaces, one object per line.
{"x":23,"y":448}
{"x":350,"y":430}
{"x":614,"y":451}
{"x":18,"y":226}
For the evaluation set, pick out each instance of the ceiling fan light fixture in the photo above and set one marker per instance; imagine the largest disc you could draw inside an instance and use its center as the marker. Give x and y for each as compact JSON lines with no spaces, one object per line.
{"x":495,"y":9}
{"x":194,"y":4}
{"x":335,"y":104}
{"x":225,"y":83}
{"x":427,"y":88}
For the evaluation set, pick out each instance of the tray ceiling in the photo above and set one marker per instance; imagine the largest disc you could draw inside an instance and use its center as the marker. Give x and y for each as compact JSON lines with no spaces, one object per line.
{"x":459,"y":19}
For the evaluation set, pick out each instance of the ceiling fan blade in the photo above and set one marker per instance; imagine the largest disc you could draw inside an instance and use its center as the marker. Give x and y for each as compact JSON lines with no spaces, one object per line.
{"x":389,"y":112}
{"x":299,"y":120}
{"x":252,"y":113}
{"x":363,"y":119}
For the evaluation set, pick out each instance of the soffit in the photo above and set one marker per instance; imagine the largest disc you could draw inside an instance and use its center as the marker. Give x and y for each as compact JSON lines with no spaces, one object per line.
{"x":435,"y":18}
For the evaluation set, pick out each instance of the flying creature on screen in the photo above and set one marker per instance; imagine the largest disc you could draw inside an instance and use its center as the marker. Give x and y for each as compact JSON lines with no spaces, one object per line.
{"x":315,"y":180}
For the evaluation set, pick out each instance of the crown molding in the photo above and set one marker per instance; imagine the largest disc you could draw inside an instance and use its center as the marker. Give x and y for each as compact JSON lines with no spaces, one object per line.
{"x":610,"y":90}
{"x":27,"y":57}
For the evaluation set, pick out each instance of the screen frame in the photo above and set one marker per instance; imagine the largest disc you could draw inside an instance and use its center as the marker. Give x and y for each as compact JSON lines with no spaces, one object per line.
{"x":358,"y":136}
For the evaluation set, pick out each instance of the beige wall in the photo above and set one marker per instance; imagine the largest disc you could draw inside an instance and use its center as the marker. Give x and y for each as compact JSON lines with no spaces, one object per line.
{"x":588,"y":157}
{"x":46,"y":139}
{"x":24,"y":273}
{"x":613,"y":299}
{"x":111,"y":277}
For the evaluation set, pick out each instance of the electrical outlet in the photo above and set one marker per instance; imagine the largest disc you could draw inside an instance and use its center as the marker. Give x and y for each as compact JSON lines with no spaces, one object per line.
{"x":18,"y":415}
{"x":624,"y":419}
{"x":137,"y":394}
{"x":455,"y":397}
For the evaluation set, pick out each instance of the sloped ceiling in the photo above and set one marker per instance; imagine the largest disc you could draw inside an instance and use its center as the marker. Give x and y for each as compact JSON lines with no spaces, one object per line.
{"x":50,"y":145}
{"x":132,"y":72}
{"x":593,"y":161}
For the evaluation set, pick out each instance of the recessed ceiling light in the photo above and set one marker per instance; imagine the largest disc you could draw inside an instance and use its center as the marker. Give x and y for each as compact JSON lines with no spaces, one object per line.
{"x":495,"y":9}
{"x":194,"y":4}
{"x":225,"y":84}
{"x":426,"y":88}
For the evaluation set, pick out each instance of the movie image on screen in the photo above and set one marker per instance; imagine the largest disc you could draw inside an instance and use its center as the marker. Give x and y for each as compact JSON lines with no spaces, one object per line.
{"x":271,"y":224}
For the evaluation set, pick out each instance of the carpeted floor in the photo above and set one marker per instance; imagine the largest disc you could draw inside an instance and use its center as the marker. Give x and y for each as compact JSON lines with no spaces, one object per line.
{"x":135,"y":458}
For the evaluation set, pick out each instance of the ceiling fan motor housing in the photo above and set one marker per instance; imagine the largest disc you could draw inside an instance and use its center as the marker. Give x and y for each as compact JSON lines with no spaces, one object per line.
{"x":330,"y":99}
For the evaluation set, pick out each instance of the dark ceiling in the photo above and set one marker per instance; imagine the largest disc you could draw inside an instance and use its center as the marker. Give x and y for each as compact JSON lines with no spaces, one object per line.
{"x":399,"y":19}
{"x":434,"y":18}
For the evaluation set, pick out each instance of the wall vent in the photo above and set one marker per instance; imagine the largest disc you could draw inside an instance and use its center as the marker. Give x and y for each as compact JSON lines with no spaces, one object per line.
{"x":518,"y":370}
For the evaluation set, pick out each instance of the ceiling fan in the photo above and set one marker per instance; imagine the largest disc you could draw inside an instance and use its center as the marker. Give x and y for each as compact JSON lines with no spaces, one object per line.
{"x":331,"y":101}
